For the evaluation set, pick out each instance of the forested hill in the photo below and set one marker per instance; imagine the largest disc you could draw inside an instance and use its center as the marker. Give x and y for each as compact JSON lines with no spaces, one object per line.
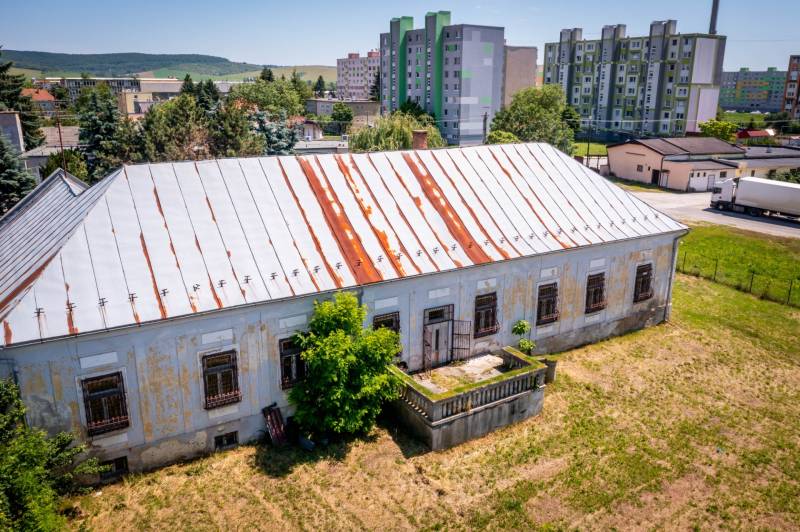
{"x":122,"y":64}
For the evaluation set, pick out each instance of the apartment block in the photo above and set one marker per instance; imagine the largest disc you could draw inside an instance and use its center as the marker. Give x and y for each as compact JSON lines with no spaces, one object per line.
{"x":453,"y":71}
{"x":753,"y":90}
{"x":519,"y":70}
{"x":356,"y":74}
{"x":662,"y":83}
{"x":157,"y":88}
{"x":791,"y":94}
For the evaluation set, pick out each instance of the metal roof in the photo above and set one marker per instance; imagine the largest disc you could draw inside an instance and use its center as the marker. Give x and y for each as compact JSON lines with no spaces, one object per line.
{"x":157,"y":241}
{"x":686,"y":145}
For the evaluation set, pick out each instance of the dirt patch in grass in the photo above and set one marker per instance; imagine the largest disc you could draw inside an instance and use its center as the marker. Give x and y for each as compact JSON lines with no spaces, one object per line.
{"x":692,"y":424}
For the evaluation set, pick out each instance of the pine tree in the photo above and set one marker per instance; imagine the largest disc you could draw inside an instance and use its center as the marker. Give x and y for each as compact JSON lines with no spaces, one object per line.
{"x":319,"y":87}
{"x":267,"y":75}
{"x":188,"y":85}
{"x":279,"y":138}
{"x":11,"y":86}
{"x":15,"y":182}
{"x":375,"y":88}
{"x":207,"y":95}
{"x":98,"y":126}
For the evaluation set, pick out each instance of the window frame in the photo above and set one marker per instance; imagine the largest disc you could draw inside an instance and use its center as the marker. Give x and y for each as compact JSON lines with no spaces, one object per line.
{"x":485,"y":315}
{"x":94,"y":426}
{"x":640,"y":295}
{"x":298,"y":367}
{"x":552,"y":317}
{"x":223,"y":398}
{"x":388,"y":316}
{"x":592,"y":304}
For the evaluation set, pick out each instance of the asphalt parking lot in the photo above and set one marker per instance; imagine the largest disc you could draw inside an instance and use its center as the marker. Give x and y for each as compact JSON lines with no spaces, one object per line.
{"x":694,"y":207}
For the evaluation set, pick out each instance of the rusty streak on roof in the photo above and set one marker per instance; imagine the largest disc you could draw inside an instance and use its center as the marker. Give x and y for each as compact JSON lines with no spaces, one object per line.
{"x":163,"y":240}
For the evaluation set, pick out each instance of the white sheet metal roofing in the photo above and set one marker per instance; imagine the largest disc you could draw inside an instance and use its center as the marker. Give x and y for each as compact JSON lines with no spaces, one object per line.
{"x":157,"y":241}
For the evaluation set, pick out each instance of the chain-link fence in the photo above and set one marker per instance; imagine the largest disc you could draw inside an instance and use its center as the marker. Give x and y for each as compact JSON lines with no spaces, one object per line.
{"x":742,"y":277}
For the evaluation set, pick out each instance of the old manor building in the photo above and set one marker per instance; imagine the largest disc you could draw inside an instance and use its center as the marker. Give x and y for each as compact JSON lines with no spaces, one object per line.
{"x":152,"y":313}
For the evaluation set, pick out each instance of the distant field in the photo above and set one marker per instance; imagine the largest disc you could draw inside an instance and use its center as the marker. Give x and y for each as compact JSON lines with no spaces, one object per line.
{"x":744,"y":118}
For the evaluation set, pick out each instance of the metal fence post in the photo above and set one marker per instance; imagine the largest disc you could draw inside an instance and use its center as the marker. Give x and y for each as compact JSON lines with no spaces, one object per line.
{"x":789,"y":296}
{"x":716,"y":265}
{"x":683,"y":268}
{"x":752,"y":275}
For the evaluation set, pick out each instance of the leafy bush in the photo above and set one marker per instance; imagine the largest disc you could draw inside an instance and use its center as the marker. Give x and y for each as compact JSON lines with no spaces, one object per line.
{"x":347,"y":369}
{"x":394,"y":132}
{"x":521,"y":328}
{"x":34,"y":469}
{"x":501,"y":137}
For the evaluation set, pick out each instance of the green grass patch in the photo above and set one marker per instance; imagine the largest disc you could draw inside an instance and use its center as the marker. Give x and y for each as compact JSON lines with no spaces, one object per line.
{"x":762,"y":264}
{"x":594,"y":149}
{"x":637,"y":186}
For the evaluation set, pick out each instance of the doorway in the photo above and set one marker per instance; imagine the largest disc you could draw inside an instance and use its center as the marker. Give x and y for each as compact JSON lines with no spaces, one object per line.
{"x":655,"y":177}
{"x":437,"y":335}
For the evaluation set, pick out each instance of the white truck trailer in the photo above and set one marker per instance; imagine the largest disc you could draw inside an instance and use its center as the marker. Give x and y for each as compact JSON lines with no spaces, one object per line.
{"x":757,"y":196}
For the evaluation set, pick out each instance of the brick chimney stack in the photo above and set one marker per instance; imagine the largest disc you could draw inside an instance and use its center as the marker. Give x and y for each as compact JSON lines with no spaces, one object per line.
{"x":419,"y":139}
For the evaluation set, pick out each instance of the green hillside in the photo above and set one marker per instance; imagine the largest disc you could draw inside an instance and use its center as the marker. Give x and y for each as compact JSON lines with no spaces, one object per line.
{"x":39,"y":64}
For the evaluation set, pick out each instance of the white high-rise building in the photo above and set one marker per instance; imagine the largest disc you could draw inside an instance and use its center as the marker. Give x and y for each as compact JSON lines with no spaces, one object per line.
{"x":355,"y":75}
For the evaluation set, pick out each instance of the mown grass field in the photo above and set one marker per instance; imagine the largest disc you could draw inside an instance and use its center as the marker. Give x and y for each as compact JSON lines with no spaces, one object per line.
{"x":594,"y":149}
{"x":735,"y":255}
{"x":307,"y":72}
{"x":637,"y":186}
{"x":690,"y":424}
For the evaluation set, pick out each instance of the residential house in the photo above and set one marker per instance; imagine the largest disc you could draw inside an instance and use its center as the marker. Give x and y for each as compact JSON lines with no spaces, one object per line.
{"x":55,"y":138}
{"x":45,"y":101}
{"x":153,"y":313}
{"x":11,"y":129}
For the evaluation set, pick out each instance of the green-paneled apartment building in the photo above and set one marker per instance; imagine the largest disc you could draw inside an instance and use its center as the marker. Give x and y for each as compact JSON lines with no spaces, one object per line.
{"x":454,"y":72}
{"x":663,"y":83}
{"x":753,"y":90}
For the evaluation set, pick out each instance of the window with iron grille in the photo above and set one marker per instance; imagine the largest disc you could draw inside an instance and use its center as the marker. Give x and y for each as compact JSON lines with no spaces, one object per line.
{"x":547,"y":304}
{"x":221,"y":379}
{"x":226,"y":441}
{"x":104,"y":400}
{"x":643,"y":289}
{"x":486,"y":315}
{"x":293,"y":368}
{"x":391,"y":321}
{"x":595,"y":292}
{"x":438,"y":314}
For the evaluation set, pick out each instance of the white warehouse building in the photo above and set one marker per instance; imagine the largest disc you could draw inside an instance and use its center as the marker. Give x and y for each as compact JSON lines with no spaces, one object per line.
{"x":152,"y":313}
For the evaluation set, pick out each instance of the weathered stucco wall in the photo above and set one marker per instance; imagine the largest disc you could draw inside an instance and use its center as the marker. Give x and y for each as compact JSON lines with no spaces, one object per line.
{"x":161,"y":362}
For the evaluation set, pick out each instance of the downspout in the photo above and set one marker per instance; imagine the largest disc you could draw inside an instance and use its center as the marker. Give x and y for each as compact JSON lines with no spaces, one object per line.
{"x":668,"y":310}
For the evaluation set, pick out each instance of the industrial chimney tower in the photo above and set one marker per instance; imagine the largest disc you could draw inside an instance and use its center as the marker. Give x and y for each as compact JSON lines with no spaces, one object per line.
{"x":712,"y":27}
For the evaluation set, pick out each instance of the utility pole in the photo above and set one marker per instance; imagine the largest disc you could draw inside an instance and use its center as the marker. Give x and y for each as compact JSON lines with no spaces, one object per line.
{"x":60,"y":137}
{"x":485,"y":123}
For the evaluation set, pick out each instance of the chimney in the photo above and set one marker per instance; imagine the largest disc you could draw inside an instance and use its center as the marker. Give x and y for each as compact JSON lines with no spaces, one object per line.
{"x":712,"y":27}
{"x":419,"y":139}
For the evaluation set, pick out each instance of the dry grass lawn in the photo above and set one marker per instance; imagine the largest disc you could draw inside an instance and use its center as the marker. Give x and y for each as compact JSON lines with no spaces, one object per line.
{"x":692,"y":424}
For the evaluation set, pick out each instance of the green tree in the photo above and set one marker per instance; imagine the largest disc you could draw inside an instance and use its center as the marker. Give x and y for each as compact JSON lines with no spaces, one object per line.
{"x":188,"y":85}
{"x":319,"y":87}
{"x":267,"y":75}
{"x":572,"y":118}
{"x":230,"y":133}
{"x":98,"y":121}
{"x":35,"y":470}
{"x":76,"y":165}
{"x":11,"y":98}
{"x":394,"y":132}
{"x":207,"y":95}
{"x":15,"y":181}
{"x":375,"y":87}
{"x":341,"y":116}
{"x":275,"y":98}
{"x":501,"y":137}
{"x":412,"y":108}
{"x":302,"y":88}
{"x":175,"y":131}
{"x":536,"y":115}
{"x":278,"y":137}
{"x":347,"y":378}
{"x":718,"y":128}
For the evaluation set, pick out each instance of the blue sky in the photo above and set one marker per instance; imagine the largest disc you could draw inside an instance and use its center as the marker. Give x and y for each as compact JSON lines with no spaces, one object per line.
{"x":760,"y":34}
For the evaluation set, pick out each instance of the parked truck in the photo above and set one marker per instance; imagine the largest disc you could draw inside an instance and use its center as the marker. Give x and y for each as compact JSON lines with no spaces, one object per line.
{"x":757,"y":196}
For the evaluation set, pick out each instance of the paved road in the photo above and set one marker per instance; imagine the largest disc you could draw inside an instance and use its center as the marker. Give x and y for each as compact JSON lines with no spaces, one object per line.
{"x":695,"y":207}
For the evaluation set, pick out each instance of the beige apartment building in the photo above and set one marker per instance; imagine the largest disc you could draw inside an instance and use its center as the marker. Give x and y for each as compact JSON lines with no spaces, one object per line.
{"x":355,"y":75}
{"x":791,"y":94}
{"x":519,"y":70}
